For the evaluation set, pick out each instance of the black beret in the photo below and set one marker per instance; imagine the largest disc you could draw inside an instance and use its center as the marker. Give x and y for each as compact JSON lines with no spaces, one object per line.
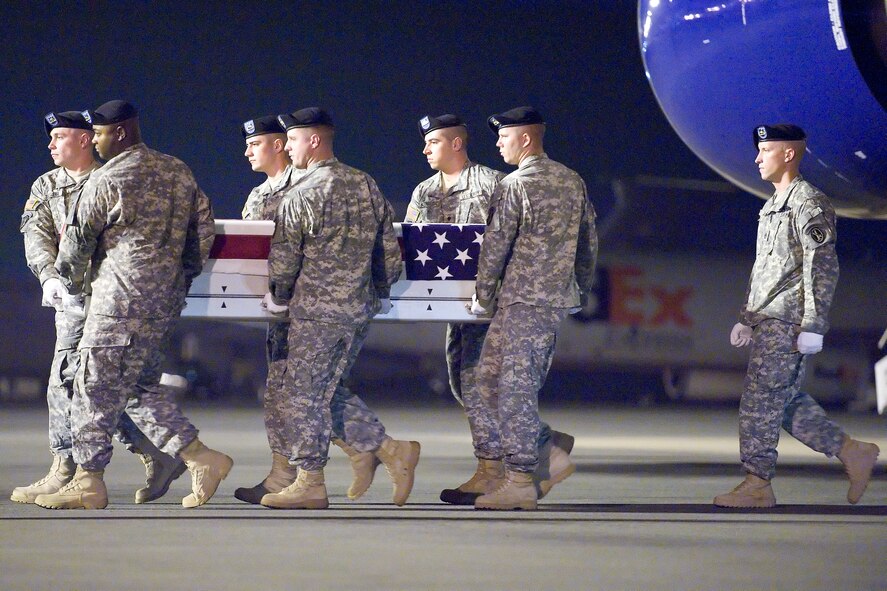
{"x":310,"y":117}
{"x":261,"y":126}
{"x":781,"y":132}
{"x":516,"y":116}
{"x":111,"y":112}
{"x":427,"y":124}
{"x":71,"y":119}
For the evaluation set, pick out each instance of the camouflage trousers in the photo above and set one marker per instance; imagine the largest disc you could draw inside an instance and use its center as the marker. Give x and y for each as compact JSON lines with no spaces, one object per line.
{"x":321,"y":355}
{"x":772,"y":399}
{"x":463,"y":348}
{"x":119,"y":371}
{"x":60,"y":393}
{"x":352,"y":421}
{"x":515,"y":360}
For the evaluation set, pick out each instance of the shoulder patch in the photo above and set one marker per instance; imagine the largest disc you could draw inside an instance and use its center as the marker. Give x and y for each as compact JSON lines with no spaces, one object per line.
{"x":817,"y":234}
{"x":31,"y":204}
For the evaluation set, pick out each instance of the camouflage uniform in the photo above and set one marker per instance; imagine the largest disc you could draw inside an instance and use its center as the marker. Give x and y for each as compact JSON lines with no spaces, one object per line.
{"x":790,"y":291}
{"x":353,"y":422}
{"x":50,"y":204}
{"x":541,"y":243}
{"x":333,"y":256}
{"x":148,"y":229}
{"x":261,"y":204}
{"x":466,"y":202}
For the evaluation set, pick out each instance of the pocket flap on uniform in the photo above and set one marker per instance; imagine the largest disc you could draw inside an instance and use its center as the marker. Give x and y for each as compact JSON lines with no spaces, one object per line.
{"x":105,"y":339}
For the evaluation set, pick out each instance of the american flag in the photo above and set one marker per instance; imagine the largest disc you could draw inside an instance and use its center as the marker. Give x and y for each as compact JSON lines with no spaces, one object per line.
{"x":441,"y":252}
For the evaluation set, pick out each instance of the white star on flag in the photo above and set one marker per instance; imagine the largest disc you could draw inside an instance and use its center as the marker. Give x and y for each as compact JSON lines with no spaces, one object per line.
{"x":440,"y":239}
{"x":462,"y":256}
{"x":443,"y":273}
{"x":423,"y":257}
{"x":479,"y":238}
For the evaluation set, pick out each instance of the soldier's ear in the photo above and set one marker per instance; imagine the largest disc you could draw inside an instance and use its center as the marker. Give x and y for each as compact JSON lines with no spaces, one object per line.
{"x":458,"y":144}
{"x":121,"y":133}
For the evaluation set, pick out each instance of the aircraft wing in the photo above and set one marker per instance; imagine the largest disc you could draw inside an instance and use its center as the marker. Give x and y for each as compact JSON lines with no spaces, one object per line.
{"x":436,"y":281}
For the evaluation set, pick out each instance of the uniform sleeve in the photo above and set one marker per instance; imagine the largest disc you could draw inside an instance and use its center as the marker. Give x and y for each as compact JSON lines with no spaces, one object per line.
{"x":816,"y":229}
{"x":386,"y":251}
{"x":201,"y":234}
{"x":416,"y":210}
{"x":285,"y":258}
{"x":40,"y":234}
{"x":249,"y":208}
{"x":503,"y":222}
{"x":80,"y":238}
{"x":586,"y":246}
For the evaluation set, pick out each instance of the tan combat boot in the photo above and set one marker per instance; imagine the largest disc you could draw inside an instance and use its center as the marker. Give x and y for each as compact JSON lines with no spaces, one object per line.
{"x":554,"y":462}
{"x":85,"y":491}
{"x":281,"y":476}
{"x":752,"y":493}
{"x":488,"y":476}
{"x":859,"y":460}
{"x":400,"y":459}
{"x":364,"y":465}
{"x":307,"y":492}
{"x":517,"y":491}
{"x":208,"y":468}
{"x":160,"y":471}
{"x":60,"y":473}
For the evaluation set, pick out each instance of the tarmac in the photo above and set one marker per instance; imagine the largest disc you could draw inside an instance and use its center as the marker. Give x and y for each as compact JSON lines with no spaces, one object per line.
{"x":637,"y":514}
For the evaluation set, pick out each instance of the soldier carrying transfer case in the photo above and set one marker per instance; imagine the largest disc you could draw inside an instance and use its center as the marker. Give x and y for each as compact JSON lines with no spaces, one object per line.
{"x":265,"y":140}
{"x":459,"y":193}
{"x":332,"y":262}
{"x":784,"y":318}
{"x":52,"y":201}
{"x":147,"y":228}
{"x":541,"y":245}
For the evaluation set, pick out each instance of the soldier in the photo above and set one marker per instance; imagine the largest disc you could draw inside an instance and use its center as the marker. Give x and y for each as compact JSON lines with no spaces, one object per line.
{"x":332,"y":262}
{"x":784,"y":318}
{"x":459,"y":193}
{"x":541,"y":243}
{"x":52,"y":201}
{"x":265,"y":140}
{"x":148,"y":228}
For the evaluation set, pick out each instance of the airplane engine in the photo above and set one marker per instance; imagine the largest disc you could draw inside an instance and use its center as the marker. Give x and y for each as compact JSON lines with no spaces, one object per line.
{"x":719,"y":68}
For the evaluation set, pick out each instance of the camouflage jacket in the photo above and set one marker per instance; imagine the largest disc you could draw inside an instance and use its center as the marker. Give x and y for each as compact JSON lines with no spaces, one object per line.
{"x":796,"y":266}
{"x":148,"y":229}
{"x":262,"y":201}
{"x":53,"y":197}
{"x":334,"y":252}
{"x":540,"y":240}
{"x":466,"y":202}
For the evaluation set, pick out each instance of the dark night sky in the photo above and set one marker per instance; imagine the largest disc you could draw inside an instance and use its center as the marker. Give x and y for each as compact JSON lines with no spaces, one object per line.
{"x":197,"y":70}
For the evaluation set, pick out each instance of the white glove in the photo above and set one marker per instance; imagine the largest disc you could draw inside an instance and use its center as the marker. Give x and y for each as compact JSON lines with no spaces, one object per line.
{"x":76,"y":305}
{"x":809,"y":343}
{"x":53,"y":291}
{"x":476,"y":309}
{"x":276,"y":309}
{"x":740,"y":336}
{"x":386,"y":305}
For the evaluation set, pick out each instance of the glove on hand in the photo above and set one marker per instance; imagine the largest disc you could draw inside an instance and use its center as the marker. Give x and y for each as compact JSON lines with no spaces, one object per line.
{"x":386,"y":305}
{"x":809,"y":343}
{"x":276,"y":309}
{"x":53,"y":292}
{"x":740,"y":336}
{"x":476,"y":308}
